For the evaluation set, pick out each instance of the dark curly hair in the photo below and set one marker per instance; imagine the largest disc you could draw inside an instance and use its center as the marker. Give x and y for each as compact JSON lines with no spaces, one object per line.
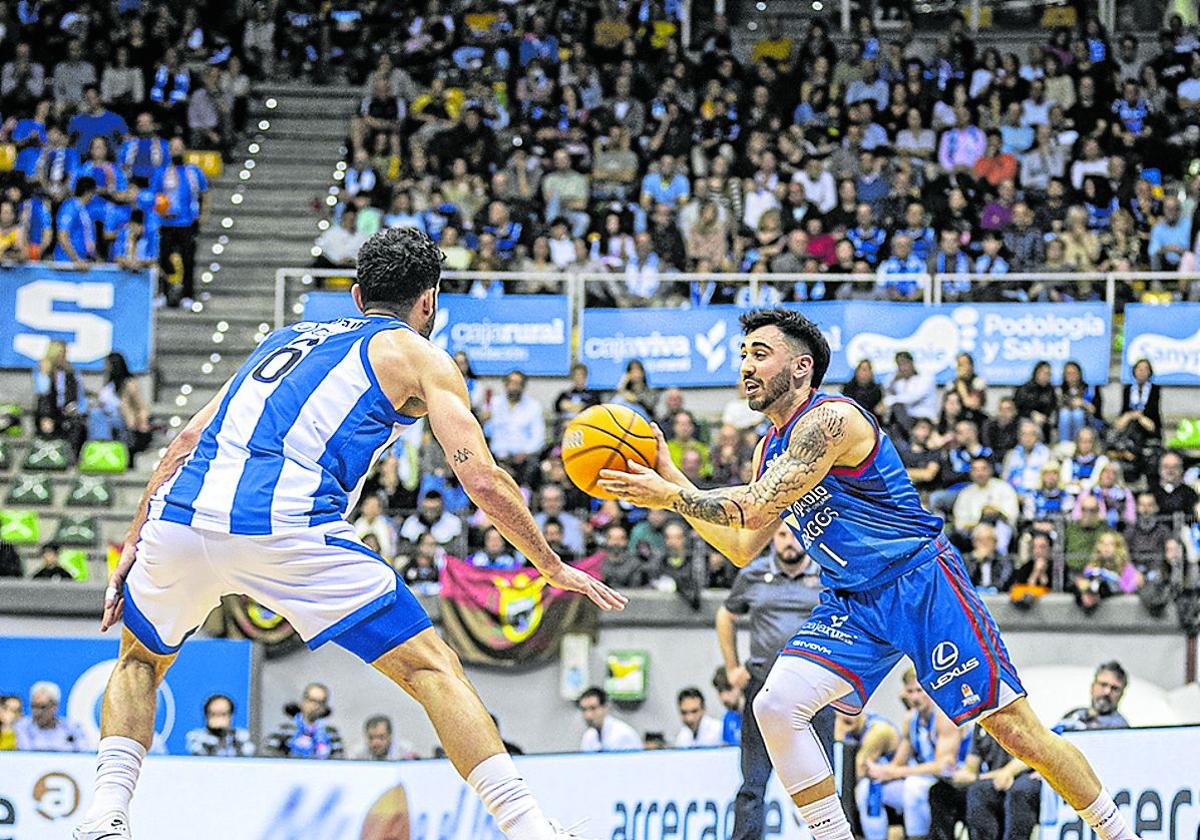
{"x":798,"y":329}
{"x":395,"y":266}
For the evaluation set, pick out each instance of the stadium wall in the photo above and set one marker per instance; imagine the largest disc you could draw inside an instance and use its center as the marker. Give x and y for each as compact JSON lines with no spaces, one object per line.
{"x":1151,"y":773}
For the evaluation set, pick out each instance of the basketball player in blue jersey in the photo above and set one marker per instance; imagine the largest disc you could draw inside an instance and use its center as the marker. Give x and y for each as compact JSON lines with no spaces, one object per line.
{"x":252,"y":495}
{"x":896,"y":585}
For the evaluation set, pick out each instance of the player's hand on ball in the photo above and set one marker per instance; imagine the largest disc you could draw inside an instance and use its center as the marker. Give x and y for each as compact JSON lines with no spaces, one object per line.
{"x":114,"y":595}
{"x":640,"y":486}
{"x":663,"y":464}
{"x":577,"y":580}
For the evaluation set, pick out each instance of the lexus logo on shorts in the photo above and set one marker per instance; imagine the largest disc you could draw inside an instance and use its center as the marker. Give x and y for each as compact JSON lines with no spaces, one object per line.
{"x":944,"y":656}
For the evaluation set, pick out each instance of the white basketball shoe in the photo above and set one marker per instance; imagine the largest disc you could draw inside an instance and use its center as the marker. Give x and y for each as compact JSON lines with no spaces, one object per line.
{"x":112,"y":826}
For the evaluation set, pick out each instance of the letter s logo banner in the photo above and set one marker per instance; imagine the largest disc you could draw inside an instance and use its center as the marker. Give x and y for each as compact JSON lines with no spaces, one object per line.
{"x":94,"y":312}
{"x":944,"y":656}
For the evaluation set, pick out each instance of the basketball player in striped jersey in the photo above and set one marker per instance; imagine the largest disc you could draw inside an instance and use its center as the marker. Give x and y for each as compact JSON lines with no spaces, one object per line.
{"x":251,"y":497}
{"x":895,"y":584}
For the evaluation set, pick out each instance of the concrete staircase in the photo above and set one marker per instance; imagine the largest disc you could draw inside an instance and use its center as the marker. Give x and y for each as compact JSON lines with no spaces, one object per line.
{"x":289,"y":161}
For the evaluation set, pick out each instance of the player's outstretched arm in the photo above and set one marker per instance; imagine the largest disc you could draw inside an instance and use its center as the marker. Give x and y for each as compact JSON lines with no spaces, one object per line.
{"x":177,"y":452}
{"x":489,"y":486}
{"x":831,"y":432}
{"x":738,"y":545}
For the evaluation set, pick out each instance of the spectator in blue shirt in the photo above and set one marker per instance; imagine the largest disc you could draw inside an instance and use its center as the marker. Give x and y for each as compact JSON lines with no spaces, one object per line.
{"x":185,"y":189}
{"x":56,"y":165}
{"x":991,"y":261}
{"x":866,"y":237}
{"x":664,"y":185}
{"x":918,"y":231}
{"x":896,"y":278}
{"x":1170,"y":237}
{"x":29,"y":136}
{"x":870,"y":86}
{"x":502,"y":226}
{"x":143,"y":153}
{"x":117,"y":216}
{"x":111,"y":186}
{"x":95,"y":121}
{"x":950,"y":259}
{"x":76,"y":229}
{"x":136,"y":246}
{"x":170,"y":88}
{"x":37,"y":224}
{"x":400,"y":212}
{"x":538,"y":43}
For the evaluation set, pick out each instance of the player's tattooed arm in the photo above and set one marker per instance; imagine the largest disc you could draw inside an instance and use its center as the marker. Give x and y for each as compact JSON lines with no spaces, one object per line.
{"x":462,"y":455}
{"x":817,"y":441}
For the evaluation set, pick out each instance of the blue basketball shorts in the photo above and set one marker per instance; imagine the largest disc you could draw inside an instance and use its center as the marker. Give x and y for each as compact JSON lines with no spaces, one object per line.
{"x":933,"y":615}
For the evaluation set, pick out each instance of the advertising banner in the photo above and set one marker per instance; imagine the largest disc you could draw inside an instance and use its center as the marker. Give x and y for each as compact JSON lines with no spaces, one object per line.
{"x":95,"y":312}
{"x":530,"y":333}
{"x":699,"y":347}
{"x":81,"y":667}
{"x":1151,"y":774}
{"x":676,"y":794}
{"x":1168,"y":336}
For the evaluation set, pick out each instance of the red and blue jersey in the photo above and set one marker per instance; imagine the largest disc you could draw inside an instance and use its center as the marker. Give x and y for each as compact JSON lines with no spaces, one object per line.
{"x":864,"y":524}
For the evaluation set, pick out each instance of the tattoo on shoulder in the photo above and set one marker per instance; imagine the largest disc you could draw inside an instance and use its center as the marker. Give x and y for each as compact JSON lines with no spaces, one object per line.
{"x":461,"y":456}
{"x":801,"y":465}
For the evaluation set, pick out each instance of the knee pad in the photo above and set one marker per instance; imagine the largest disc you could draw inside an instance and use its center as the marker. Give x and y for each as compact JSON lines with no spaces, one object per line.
{"x":794,"y":692}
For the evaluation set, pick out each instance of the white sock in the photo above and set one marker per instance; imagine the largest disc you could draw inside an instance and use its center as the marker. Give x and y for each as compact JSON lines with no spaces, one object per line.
{"x":118,"y":763}
{"x":509,"y":800}
{"x":826,"y":819}
{"x":1104,"y":818}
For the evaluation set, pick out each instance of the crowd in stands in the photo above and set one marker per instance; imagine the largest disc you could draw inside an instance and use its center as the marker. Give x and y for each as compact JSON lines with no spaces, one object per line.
{"x":100,"y":101}
{"x":589,"y":137}
{"x":1047,"y":490}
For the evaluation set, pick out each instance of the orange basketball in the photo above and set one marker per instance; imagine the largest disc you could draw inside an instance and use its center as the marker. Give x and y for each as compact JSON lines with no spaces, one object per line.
{"x":605,"y":437}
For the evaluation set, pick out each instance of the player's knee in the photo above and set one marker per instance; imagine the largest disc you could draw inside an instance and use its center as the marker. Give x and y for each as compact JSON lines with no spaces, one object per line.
{"x":132,"y":665}
{"x":1019,"y":736}
{"x":771,"y":708}
{"x":423,"y":663}
{"x":136,"y":660}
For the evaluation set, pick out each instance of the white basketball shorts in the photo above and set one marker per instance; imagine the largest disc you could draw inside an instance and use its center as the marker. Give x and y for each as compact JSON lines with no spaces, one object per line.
{"x":323,"y":580}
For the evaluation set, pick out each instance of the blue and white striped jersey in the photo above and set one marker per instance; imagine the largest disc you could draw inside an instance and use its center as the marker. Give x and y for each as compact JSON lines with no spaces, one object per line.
{"x":290,"y":445}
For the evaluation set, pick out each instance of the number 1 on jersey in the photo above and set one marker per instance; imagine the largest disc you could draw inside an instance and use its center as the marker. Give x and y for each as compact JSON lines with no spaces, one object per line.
{"x":829,"y":553}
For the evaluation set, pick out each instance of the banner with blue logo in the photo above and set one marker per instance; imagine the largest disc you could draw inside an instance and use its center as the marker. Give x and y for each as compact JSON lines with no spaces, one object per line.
{"x":530,"y":333}
{"x":81,"y":667}
{"x":1005,"y":339}
{"x":701,"y":347}
{"x":95,"y":312}
{"x":1167,"y":336}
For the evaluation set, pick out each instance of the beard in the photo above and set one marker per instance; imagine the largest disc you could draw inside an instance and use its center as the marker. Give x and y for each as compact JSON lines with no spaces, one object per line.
{"x":770,"y":391}
{"x":790,"y":556}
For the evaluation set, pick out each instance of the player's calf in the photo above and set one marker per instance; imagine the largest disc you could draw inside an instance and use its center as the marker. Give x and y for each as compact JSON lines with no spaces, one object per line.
{"x":127,"y":730}
{"x":1016,"y":728}
{"x":794,"y":692}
